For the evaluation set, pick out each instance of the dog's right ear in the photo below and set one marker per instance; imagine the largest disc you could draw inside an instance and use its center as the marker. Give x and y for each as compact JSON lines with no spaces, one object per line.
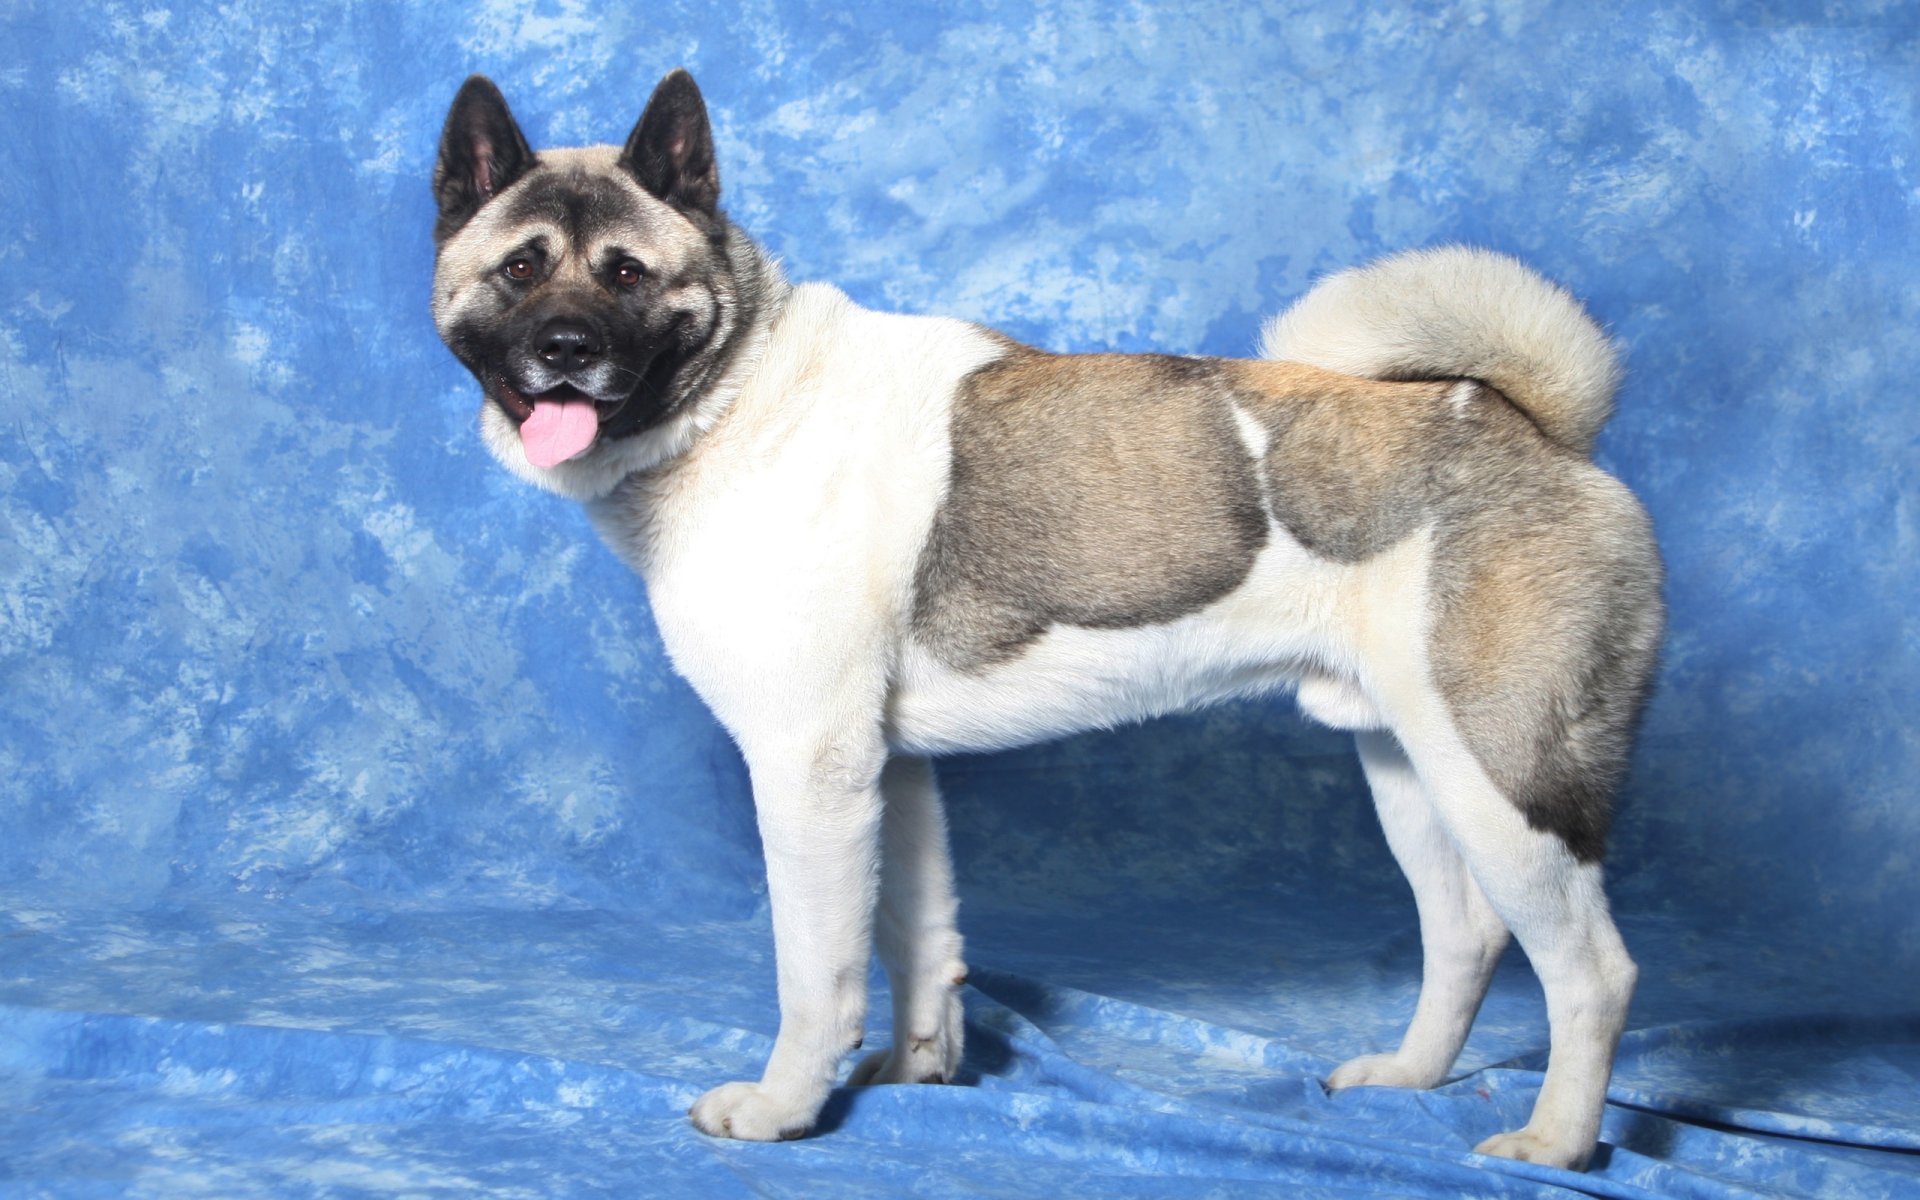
{"x":481,"y":152}
{"x":670,"y":150}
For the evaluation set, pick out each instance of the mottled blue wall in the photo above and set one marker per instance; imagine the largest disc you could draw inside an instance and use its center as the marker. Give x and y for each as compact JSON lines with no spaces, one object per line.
{"x":270,"y":620}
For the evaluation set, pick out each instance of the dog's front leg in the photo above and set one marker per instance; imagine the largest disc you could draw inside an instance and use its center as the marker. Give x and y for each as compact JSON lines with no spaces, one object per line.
{"x":819,"y":811}
{"x":915,"y":934}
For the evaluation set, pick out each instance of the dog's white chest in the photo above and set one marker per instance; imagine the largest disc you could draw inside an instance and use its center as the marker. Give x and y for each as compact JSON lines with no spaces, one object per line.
{"x":779,"y":554}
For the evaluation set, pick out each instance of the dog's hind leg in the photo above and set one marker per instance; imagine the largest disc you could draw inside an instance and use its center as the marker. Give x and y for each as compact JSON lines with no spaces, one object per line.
{"x":1461,"y":936}
{"x":1508,"y":649}
{"x":915,"y":932}
{"x":1554,"y":903}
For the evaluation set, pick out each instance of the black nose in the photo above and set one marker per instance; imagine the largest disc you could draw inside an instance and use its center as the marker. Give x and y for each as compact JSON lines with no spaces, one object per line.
{"x":567,"y":344}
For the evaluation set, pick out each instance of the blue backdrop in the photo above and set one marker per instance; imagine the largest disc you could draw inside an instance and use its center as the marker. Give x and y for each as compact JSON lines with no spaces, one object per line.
{"x":358,"y":839}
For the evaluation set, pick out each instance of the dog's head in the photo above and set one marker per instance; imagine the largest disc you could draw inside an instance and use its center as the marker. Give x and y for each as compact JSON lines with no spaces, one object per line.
{"x":595,"y":293}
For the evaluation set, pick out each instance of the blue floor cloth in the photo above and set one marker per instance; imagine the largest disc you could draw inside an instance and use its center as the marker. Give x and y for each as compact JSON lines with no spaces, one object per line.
{"x":254,"y":1048}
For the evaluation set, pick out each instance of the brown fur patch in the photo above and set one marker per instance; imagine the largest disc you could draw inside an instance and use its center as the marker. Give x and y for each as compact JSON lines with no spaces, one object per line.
{"x":1546,"y":630}
{"x":1350,"y":466}
{"x":1098,"y":490}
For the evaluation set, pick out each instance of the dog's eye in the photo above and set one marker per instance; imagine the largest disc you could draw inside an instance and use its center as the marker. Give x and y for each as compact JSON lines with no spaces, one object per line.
{"x":519,"y":268}
{"x":628,"y":273}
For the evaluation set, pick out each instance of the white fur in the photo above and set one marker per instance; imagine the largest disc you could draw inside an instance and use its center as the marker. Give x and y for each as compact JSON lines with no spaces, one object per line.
{"x":1455,"y":310}
{"x":1461,"y":395}
{"x":1253,"y":435}
{"x":1337,"y":703}
{"x":779,"y":549}
{"x":915,"y":933}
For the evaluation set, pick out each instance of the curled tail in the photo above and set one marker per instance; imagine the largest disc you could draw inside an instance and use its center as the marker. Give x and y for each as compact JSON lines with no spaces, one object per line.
{"x":1460,"y":312}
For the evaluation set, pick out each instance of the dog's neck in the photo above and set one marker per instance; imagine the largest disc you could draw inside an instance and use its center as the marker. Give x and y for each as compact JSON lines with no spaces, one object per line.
{"x":761,"y":292}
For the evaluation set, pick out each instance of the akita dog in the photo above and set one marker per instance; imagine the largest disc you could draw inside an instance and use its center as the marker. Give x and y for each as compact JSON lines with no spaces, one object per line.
{"x":871,"y":538}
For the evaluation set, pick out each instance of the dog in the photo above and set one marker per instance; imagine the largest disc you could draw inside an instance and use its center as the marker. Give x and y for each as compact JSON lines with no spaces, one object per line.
{"x":871,"y":538}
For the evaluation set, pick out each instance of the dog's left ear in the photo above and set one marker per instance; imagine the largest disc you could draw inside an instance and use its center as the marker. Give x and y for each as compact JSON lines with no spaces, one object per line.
{"x":481,"y":151}
{"x":670,"y":150}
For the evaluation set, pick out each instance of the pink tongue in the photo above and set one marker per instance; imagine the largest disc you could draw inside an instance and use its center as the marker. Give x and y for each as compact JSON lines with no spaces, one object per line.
{"x":558,"y":430}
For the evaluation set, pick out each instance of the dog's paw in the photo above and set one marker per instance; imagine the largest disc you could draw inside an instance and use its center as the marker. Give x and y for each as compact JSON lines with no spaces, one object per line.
{"x":752,"y":1113}
{"x":1379,"y":1070}
{"x":1528,"y":1145}
{"x":895,"y":1065}
{"x":931,"y":1057}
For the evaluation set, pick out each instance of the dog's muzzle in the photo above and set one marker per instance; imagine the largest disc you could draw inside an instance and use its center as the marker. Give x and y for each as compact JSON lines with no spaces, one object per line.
{"x":565,"y":385}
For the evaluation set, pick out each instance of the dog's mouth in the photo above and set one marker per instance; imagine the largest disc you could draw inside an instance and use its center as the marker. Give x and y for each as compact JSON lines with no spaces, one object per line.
{"x":556,"y":425}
